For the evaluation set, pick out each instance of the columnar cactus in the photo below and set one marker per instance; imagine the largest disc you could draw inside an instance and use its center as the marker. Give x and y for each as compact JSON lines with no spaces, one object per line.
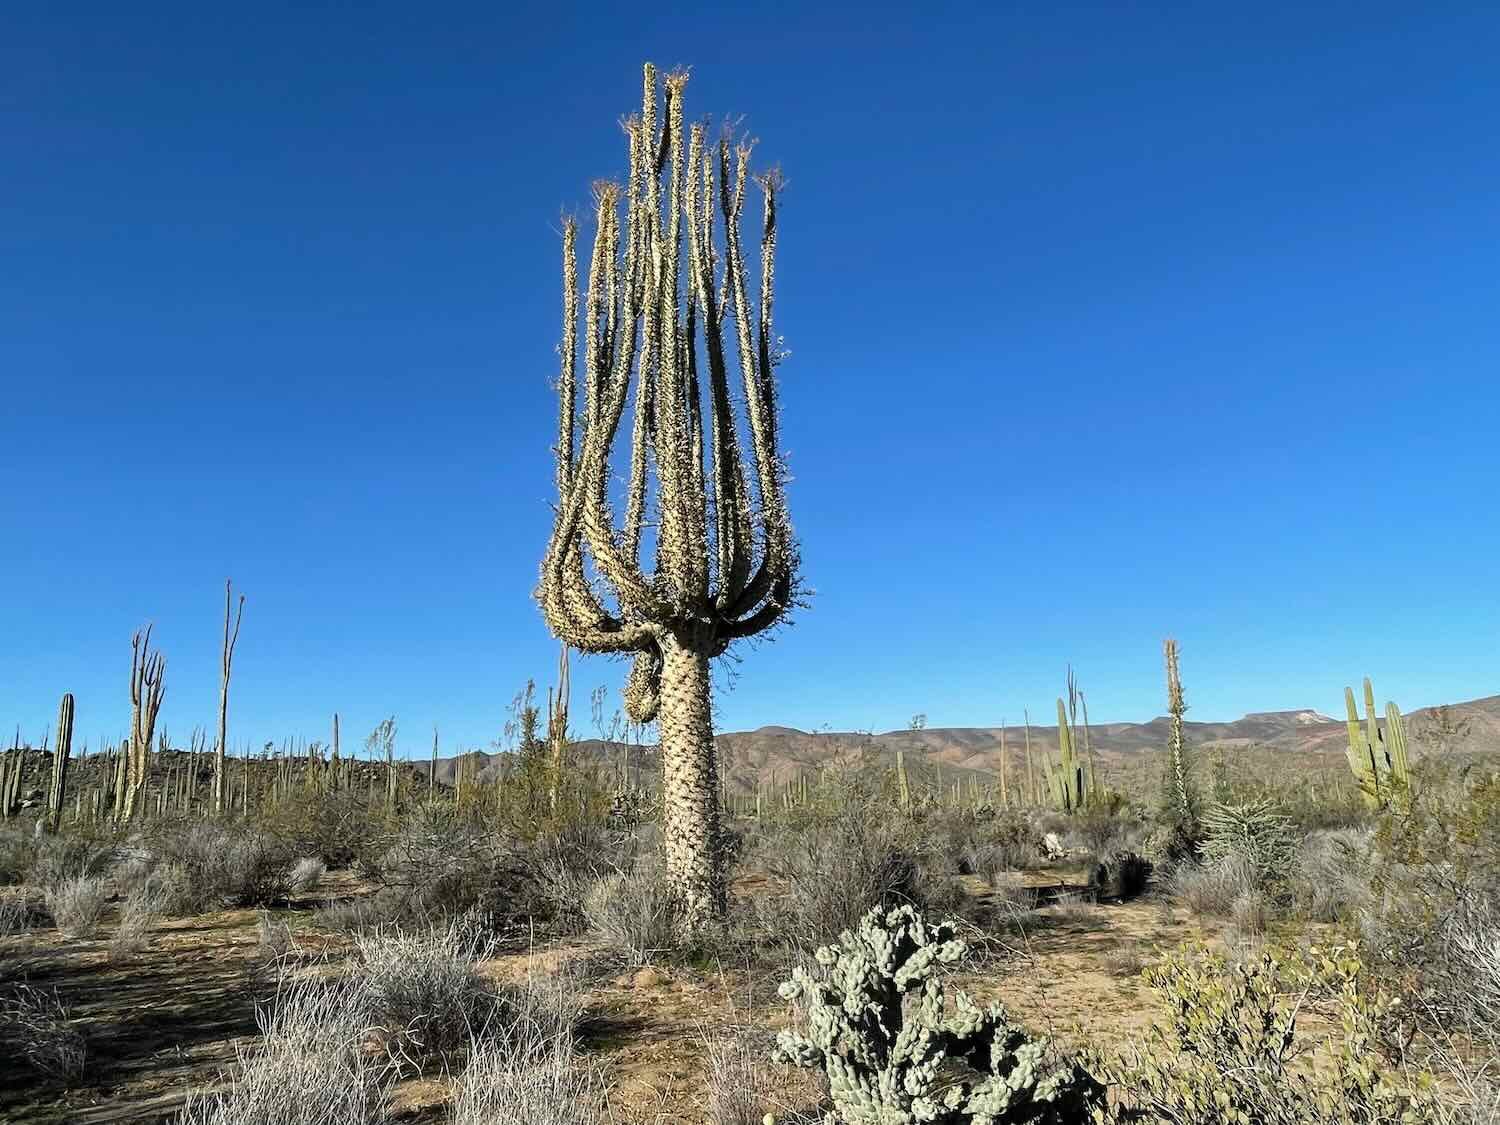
{"x":147,"y":687}
{"x":725,"y":558}
{"x":878,"y":1025}
{"x":1377,"y":758}
{"x":57,"y":792}
{"x":1066,"y":780}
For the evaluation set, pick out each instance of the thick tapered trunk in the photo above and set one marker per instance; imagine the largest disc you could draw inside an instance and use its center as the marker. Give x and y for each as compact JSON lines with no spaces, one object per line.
{"x":690,"y":801}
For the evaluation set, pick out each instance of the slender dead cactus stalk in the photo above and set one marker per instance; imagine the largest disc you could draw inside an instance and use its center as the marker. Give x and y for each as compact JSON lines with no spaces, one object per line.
{"x":230,"y":639}
{"x":724,"y":559}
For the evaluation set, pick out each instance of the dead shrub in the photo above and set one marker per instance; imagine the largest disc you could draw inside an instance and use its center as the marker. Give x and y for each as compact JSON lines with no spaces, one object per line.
{"x":309,"y":1066}
{"x":36,"y":1028}
{"x":138,"y":914}
{"x":76,"y":904}
{"x":306,"y":874}
{"x":424,"y":995}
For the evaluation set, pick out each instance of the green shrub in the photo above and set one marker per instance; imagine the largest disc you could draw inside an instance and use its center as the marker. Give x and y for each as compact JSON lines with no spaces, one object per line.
{"x":1230,"y":1052}
{"x":1254,"y":832}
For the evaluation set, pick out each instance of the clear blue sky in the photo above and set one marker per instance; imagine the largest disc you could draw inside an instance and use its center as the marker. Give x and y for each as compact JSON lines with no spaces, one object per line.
{"x":1107,"y":323}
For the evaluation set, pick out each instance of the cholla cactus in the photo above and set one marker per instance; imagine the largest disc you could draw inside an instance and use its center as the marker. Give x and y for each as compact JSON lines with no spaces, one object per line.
{"x":723,"y":564}
{"x":878,"y":1026}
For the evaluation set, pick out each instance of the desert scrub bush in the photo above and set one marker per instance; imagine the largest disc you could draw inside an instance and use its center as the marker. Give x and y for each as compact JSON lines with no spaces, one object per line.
{"x":836,"y":866}
{"x":1214,"y":888}
{"x":138,"y":914}
{"x":878,"y":1024}
{"x":219,"y":864}
{"x":336,"y":825}
{"x":310,"y":1065}
{"x":1331,"y":879}
{"x":425,"y":996}
{"x":306,"y":874}
{"x":58,"y":859}
{"x":18,"y":847}
{"x":988,"y":845}
{"x":76,"y":904}
{"x":439,"y":865}
{"x":36,"y":1028}
{"x":565,"y":864}
{"x":633,"y":913}
{"x":1230,"y":1053}
{"x":20,"y":912}
{"x":1105,"y":827}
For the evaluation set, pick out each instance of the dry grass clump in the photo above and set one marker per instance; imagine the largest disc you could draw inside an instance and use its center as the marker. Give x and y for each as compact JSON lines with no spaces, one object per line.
{"x":1331,"y":881}
{"x":36,"y":1028}
{"x":138,"y":914}
{"x":1074,"y":909}
{"x":633,"y":914}
{"x":528,"y":1078}
{"x":331,"y":1049}
{"x":306,"y":874}
{"x":76,"y":904}
{"x":309,"y":1066}
{"x":22,"y":912}
{"x":742,"y":1085}
{"x":425,"y":997}
{"x":1214,"y":888}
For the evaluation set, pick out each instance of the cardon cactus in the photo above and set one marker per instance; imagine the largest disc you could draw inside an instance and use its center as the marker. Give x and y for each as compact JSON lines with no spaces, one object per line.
{"x":878,"y":1025}
{"x":1377,"y":757}
{"x":1067,"y":780}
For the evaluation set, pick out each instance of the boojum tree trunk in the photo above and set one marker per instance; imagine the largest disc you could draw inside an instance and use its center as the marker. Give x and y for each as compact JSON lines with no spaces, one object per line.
{"x":722,"y":556}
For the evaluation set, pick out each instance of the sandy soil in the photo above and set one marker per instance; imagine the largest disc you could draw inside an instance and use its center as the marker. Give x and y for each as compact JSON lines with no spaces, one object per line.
{"x":168,"y":1021}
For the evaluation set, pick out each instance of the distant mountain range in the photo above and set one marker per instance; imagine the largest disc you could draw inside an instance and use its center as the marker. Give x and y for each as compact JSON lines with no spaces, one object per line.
{"x":772,"y":755}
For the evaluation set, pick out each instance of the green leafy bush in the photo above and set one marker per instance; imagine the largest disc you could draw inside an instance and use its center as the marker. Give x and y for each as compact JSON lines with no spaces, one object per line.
{"x":1230,"y":1052}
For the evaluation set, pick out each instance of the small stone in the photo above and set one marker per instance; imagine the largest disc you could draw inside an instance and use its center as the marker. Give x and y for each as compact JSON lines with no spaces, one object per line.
{"x":647,"y":977}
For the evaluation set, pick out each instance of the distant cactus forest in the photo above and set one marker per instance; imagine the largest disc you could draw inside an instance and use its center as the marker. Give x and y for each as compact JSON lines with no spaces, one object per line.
{"x":633,"y":916}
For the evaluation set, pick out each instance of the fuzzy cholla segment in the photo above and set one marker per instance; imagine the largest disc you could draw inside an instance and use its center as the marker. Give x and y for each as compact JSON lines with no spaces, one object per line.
{"x":879,"y":1026}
